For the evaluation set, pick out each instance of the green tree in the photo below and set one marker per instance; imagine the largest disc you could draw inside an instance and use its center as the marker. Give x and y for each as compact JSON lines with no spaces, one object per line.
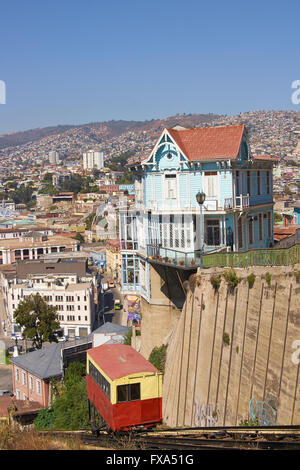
{"x":39,"y":320}
{"x":79,"y":237}
{"x":48,"y":177}
{"x":277,"y":217}
{"x":74,"y":373}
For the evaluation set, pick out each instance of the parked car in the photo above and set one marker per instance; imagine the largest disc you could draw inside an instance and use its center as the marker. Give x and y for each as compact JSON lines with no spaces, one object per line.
{"x":6,"y":393}
{"x":62,"y":339}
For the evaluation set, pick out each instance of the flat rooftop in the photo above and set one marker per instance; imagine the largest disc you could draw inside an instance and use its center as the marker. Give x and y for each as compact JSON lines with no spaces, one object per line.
{"x":55,"y":266}
{"x":52,"y":240}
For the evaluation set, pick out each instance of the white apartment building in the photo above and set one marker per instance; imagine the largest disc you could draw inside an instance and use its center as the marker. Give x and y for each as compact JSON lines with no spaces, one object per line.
{"x":53,"y":157}
{"x":93,"y":160}
{"x":64,"y":284}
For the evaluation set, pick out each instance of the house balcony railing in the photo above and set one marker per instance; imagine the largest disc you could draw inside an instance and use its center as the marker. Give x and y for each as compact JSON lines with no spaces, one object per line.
{"x":237,"y":202}
{"x":173,"y":257}
{"x":211,"y":204}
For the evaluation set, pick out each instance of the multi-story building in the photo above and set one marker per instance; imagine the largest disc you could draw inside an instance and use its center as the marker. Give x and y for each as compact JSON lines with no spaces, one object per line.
{"x":54,"y":157}
{"x":23,"y":230}
{"x":93,"y":160}
{"x":168,"y":225}
{"x":34,"y":244}
{"x":113,"y":257}
{"x":63,"y":283}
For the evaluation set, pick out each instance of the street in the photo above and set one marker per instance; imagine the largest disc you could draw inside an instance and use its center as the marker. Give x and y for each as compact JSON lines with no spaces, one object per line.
{"x":107,"y":311}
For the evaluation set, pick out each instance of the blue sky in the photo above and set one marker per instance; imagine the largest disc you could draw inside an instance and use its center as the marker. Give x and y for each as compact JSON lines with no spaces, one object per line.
{"x":73,"y":62}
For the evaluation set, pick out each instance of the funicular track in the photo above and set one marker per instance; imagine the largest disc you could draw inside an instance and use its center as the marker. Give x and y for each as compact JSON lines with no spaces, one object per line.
{"x":246,"y":438}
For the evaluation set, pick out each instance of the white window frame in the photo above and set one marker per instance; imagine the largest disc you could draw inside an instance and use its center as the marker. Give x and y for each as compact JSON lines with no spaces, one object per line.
{"x":170,"y":185}
{"x":210,"y":184}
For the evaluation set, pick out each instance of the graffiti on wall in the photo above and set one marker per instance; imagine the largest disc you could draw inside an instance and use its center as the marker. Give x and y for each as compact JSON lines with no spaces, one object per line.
{"x":205,"y":415}
{"x":134,"y":308}
{"x":264,"y":412}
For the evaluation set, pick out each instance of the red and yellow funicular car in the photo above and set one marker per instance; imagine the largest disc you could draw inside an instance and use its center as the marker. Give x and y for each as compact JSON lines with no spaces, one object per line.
{"x":123,"y":387}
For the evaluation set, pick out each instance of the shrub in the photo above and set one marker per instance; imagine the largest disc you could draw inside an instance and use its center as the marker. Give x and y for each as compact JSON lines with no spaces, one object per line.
{"x":127,"y":338}
{"x":69,"y":411}
{"x":215,"y":282}
{"x":249,"y":422}
{"x":251,"y":280}
{"x":44,"y":419}
{"x":226,"y":338}
{"x":158,"y":357}
{"x":268,"y":278}
{"x":231,"y":278}
{"x":297,"y":275}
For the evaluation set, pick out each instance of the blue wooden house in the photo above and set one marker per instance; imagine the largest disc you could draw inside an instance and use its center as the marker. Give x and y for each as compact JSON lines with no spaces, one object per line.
{"x":168,"y":225}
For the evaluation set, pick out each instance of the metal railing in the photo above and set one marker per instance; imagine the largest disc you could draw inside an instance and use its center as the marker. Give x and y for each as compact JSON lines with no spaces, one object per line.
{"x":258,"y":257}
{"x":239,"y":202}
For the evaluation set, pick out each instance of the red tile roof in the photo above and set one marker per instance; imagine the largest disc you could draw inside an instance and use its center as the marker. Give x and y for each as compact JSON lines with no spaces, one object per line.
{"x":266,"y":157}
{"x":120,"y":360}
{"x":286,"y":231}
{"x":209,"y":143}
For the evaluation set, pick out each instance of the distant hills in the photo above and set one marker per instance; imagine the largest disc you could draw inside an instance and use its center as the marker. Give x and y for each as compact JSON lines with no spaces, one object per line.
{"x":101,"y":130}
{"x":270,"y":132}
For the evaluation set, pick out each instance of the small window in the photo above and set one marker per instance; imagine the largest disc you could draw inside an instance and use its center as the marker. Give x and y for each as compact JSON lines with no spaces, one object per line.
{"x":135,"y":393}
{"x":249,"y":183}
{"x":258,"y":184}
{"x":122,"y":393}
{"x":268,"y":182}
{"x":130,"y":392}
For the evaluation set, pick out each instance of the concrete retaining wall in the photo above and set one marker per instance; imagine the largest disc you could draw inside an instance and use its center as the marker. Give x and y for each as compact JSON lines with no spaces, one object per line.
{"x":231,"y":349}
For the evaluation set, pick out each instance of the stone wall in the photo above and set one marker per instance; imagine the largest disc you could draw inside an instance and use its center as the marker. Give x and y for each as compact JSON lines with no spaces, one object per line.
{"x":159,"y":317}
{"x":232,"y":348}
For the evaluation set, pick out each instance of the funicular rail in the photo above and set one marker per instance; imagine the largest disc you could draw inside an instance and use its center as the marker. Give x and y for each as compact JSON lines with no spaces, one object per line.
{"x":247,"y":438}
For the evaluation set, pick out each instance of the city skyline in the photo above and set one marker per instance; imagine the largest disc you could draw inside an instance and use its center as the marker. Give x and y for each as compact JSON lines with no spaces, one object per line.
{"x":72,"y":63}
